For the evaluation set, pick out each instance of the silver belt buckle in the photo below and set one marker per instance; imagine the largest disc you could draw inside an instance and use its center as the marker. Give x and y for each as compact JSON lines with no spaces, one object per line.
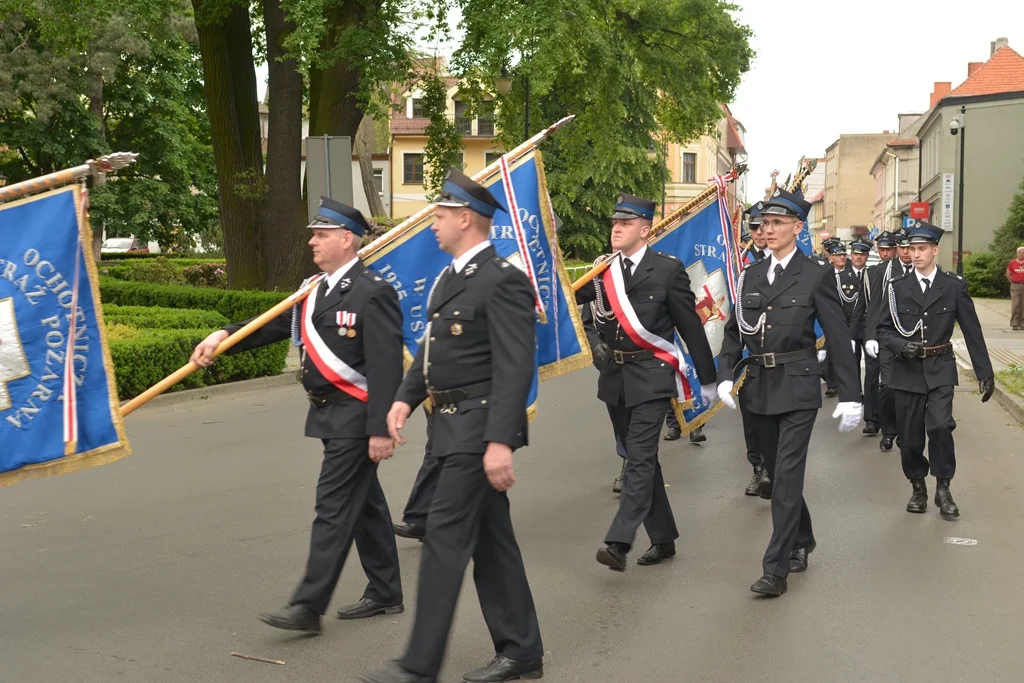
{"x":769,"y":360}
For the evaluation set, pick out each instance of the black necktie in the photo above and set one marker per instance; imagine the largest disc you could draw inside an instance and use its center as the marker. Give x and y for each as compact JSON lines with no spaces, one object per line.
{"x":907,"y":268}
{"x":860,"y":277}
{"x":926,"y":285}
{"x":627,"y":271}
{"x":778,"y":274}
{"x":324,"y":288}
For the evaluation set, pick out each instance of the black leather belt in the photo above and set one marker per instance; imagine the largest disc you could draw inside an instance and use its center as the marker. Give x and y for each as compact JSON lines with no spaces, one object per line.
{"x":936,"y":350}
{"x":447,"y":400}
{"x":771,"y":360}
{"x":622,"y":357}
{"x":332,"y":398}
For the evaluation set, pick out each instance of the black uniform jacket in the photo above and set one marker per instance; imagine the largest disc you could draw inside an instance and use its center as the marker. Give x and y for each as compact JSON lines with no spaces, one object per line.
{"x":850,"y":285}
{"x":947,"y":302}
{"x":660,"y":293}
{"x":805,"y":290}
{"x":374,"y":352}
{"x":865,"y":314}
{"x":482,"y":329}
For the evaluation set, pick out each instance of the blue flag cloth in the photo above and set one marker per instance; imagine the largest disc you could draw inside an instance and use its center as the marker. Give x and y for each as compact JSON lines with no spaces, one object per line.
{"x":41,"y":239}
{"x":803,"y":241}
{"x":706,"y":245}
{"x":409,"y":258}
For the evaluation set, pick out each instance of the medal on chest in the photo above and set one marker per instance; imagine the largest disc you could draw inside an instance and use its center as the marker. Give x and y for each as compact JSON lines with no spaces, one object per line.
{"x":346,"y":324}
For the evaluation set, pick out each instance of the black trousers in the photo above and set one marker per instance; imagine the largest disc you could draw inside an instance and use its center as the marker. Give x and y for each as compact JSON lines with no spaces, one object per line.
{"x":749,"y":434}
{"x":350,"y":505}
{"x":886,"y":400}
{"x":643,"y":499}
{"x":671,"y":421}
{"x":469,"y":519}
{"x":872,"y":372}
{"x":422,"y":493}
{"x":928,"y":414}
{"x":783,"y":441}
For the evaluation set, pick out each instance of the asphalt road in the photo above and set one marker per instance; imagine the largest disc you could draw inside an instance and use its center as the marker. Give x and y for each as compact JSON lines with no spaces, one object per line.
{"x":153,"y":569}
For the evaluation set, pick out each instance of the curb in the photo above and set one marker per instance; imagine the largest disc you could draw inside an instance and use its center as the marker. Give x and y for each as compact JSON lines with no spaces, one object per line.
{"x":1013,"y":405}
{"x":285,"y":379}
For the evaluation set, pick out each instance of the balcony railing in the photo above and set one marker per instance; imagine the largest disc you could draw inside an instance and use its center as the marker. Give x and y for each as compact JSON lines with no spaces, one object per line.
{"x":467,"y":127}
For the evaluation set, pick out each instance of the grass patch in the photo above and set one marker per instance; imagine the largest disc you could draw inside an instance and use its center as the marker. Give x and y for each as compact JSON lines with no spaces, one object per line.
{"x":1012,"y":378}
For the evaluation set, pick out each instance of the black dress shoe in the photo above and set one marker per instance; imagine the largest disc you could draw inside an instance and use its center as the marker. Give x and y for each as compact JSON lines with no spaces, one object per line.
{"x":830,"y":393}
{"x":754,"y":487}
{"x":919,"y":498}
{"x":293,"y":618}
{"x":870,"y":429}
{"x":656,"y":553}
{"x":764,"y":487}
{"x":885,"y":444}
{"x":944,"y":500}
{"x":396,"y":674}
{"x":613,"y":556}
{"x":770,"y":585}
{"x":501,"y":669}
{"x":798,"y":558}
{"x":368,"y":607}
{"x":673,"y":434}
{"x":410,"y":530}
{"x":617,"y":484}
{"x":697,"y":435}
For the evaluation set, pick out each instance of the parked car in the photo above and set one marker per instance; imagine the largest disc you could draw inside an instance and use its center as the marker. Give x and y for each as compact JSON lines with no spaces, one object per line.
{"x":127,"y":245}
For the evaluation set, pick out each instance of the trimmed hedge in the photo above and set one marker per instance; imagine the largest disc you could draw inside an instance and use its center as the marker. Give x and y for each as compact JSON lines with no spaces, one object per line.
{"x":142,"y":362}
{"x":167,"y":255}
{"x":156,"y":317}
{"x":235,"y":305}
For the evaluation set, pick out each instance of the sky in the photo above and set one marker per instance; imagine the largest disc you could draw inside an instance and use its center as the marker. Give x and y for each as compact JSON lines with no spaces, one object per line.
{"x":824,"y":68}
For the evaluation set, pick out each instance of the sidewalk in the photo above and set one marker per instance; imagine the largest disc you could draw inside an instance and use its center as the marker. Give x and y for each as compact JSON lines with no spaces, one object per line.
{"x":1005,"y":348}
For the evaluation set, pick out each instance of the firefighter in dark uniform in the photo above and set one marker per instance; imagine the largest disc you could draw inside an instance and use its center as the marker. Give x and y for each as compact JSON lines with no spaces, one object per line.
{"x":414,"y":517}
{"x":351,"y":337}
{"x":760,"y":483}
{"x":870,"y":294}
{"x":779,"y":298}
{"x":916,"y":325}
{"x":476,"y":364}
{"x":900,"y":265}
{"x":848,"y":286}
{"x":635,"y":382}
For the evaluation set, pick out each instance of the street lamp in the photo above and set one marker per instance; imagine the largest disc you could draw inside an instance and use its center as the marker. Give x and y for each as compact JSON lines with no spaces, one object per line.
{"x":958,"y":125}
{"x":503,"y":84}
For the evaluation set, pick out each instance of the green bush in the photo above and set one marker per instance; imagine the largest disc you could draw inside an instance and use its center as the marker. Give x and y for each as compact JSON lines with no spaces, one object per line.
{"x":161,"y":271}
{"x":985,"y":273}
{"x":168,"y":255}
{"x":157,"y":317}
{"x":142,"y":362}
{"x":235,"y":305}
{"x":211,"y":274}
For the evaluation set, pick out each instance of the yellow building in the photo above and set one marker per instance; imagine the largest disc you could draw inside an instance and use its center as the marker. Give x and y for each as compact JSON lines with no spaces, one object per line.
{"x":691,"y":165}
{"x":409,"y":139}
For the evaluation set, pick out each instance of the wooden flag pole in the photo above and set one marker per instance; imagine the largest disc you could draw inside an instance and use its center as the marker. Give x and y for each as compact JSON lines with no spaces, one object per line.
{"x":98,"y":168}
{"x":662,"y":225}
{"x":190,"y":367}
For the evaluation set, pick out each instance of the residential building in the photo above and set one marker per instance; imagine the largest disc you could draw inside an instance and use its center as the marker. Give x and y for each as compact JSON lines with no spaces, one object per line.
{"x":896,"y":173}
{"x":991,"y":104}
{"x":409,"y":140}
{"x":693,"y":164}
{"x":849,"y":189}
{"x":816,"y":218}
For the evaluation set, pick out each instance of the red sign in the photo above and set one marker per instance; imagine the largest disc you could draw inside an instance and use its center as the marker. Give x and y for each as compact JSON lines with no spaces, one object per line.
{"x":920,"y":210}
{"x":823,"y":234}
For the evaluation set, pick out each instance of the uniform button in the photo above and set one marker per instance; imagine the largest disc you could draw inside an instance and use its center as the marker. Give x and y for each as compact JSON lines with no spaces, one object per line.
{"x":436,"y":316}
{"x":651,"y":296}
{"x":433,"y":339}
{"x":926,"y":312}
{"x":662,"y":365}
{"x":483,"y":402}
{"x":769,"y":308}
{"x":769,"y":327}
{"x":456,"y":312}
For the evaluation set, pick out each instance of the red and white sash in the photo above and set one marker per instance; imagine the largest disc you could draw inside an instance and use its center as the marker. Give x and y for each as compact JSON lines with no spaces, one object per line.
{"x":663,"y":349}
{"x":334,"y":369}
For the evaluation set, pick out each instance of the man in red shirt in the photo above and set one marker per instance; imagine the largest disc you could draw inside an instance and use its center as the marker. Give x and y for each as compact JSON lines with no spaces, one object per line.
{"x":1015,"y":274}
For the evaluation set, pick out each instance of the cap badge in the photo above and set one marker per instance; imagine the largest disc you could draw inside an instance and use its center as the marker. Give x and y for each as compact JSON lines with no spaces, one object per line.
{"x":778,"y":193}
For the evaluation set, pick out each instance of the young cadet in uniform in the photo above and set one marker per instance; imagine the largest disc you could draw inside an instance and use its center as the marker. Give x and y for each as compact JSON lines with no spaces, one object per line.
{"x":916,"y":328}
{"x":779,"y":300}
{"x":760,"y":483}
{"x":642,"y":299}
{"x":351,"y":334}
{"x":847,"y":285}
{"x":476,"y":365}
{"x":870,"y":294}
{"x":901,"y":265}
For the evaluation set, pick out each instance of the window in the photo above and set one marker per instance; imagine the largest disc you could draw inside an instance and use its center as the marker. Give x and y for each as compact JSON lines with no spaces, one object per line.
{"x":412,"y":171}
{"x":463,"y":123}
{"x":378,"y":180}
{"x":485,"y":119}
{"x":689,"y":167}
{"x":417,"y":108}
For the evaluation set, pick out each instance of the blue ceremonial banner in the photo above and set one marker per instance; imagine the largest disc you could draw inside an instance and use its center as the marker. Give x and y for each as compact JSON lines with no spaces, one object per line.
{"x":45,"y":427}
{"x":706,"y":245}
{"x":409,"y":258}
{"x":803,"y":241}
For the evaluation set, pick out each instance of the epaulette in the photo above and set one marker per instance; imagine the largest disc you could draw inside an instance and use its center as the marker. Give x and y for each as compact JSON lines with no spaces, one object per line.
{"x":371,"y":275}
{"x":951,"y":274}
{"x":821,"y":263}
{"x":671,"y":257}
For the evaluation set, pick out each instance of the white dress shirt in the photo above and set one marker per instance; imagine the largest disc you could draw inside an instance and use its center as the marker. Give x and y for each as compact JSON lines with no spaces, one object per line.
{"x":635,"y":258}
{"x":930,"y":277}
{"x":335,"y":277}
{"x":468,"y":255}
{"x":775,"y":262}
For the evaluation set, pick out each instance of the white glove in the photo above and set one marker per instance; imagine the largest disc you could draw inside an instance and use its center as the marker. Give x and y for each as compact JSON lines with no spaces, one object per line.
{"x":871,"y":346}
{"x":709,"y":392}
{"x":849,"y":414}
{"x":853,"y":345}
{"x":821,"y":355}
{"x":725,"y":393}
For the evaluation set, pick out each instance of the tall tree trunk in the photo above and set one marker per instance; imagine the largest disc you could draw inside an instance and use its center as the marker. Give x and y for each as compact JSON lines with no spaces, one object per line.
{"x":366,"y":169}
{"x":96,"y":108}
{"x":229,"y":84}
{"x":337,"y":109}
{"x":285,"y":235}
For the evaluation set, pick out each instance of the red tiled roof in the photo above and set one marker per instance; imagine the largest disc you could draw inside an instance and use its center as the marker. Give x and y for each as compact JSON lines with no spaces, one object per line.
{"x":1004,"y":72}
{"x":400,"y":125}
